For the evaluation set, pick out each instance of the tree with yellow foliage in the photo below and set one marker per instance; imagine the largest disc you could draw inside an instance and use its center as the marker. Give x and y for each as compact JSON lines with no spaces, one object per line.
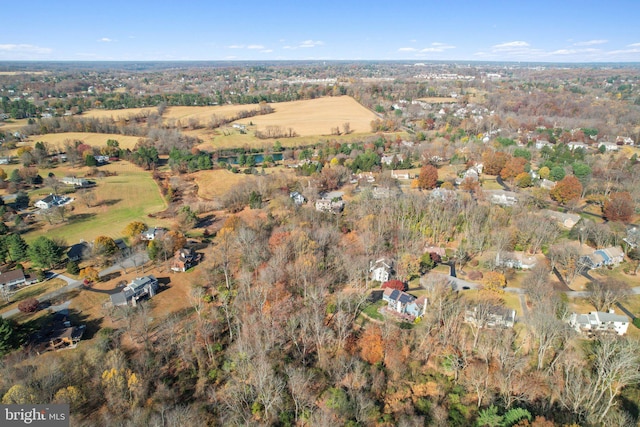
{"x":372,"y":345}
{"x":495,"y":281}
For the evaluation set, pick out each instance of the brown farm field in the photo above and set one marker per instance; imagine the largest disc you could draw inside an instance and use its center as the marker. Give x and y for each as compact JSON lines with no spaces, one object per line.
{"x":118,"y":114}
{"x":57,"y":140}
{"x":215,"y":183}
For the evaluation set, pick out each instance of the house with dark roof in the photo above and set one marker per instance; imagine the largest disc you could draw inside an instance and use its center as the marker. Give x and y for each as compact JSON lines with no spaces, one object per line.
{"x":499,"y":317}
{"x":52,"y":200}
{"x":138,"y":288}
{"x":79,"y":251}
{"x":404,"y":303}
{"x":184,"y":259}
{"x":14,"y":278}
{"x":153,"y":233}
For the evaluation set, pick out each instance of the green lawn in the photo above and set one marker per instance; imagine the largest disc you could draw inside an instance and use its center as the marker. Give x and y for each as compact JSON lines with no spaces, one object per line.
{"x":130,"y":195}
{"x":32,"y":292}
{"x":371,"y":310}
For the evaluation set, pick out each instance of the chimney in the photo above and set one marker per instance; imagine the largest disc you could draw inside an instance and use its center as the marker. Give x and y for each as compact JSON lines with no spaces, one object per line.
{"x":611,"y":311}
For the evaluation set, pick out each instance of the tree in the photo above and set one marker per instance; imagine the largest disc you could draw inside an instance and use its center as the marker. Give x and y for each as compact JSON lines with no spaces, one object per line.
{"x":371,"y":345}
{"x":29,"y":305}
{"x":544,"y":172}
{"x":513,"y":167}
{"x":557,"y":173}
{"x":6,"y":336}
{"x":52,"y":182}
{"x":22,"y":200}
{"x":90,"y":274}
{"x":567,"y":190}
{"x":495,"y":281}
{"x":88,"y":197}
{"x":523,"y":180}
{"x":428,"y":178}
{"x":135,"y":229}
{"x":104,"y":246}
{"x":395,"y":284}
{"x":45,"y":253}
{"x":607,"y":293}
{"x":619,"y":207}
{"x":16,"y":247}
{"x":494,"y":162}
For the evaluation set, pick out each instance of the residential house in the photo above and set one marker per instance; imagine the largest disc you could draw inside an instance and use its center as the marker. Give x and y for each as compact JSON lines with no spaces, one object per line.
{"x":76,"y":182}
{"x":389,"y":159}
{"x":574,"y":145}
{"x":153,"y":233}
{"x":79,"y":251}
{"x":541,"y":143}
{"x":297,"y":198}
{"x":404,"y":303}
{"x":567,"y":220}
{"x":400,"y":175}
{"x":14,"y":278}
{"x":184,"y":259}
{"x":547,"y":184}
{"x":611,"y":256}
{"x":442,"y":194}
{"x":58,"y":335}
{"x":379,"y":193}
{"x":330,"y":202}
{"x":499,"y":317}
{"x":381,"y":270}
{"x":598,"y":321}
{"x":501,"y":197}
{"x":516,"y":259}
{"x":136,"y":290}
{"x":609,"y":146}
{"x":52,"y":200}
{"x":5,"y":160}
{"x":624,"y":140}
{"x":633,"y":237}
{"x":101,"y":159}
{"x":442,"y":252}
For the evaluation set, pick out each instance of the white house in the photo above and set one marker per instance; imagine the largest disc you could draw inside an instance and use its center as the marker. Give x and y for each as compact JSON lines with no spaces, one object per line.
{"x":76,"y":182}
{"x":609,"y":146}
{"x":573,"y":145}
{"x":503,"y":198}
{"x":52,"y":200}
{"x":381,"y":270}
{"x":297,"y":198}
{"x":515,"y":260}
{"x":598,"y":321}
{"x":134,"y":291}
{"x":567,"y":220}
{"x":152,"y":233}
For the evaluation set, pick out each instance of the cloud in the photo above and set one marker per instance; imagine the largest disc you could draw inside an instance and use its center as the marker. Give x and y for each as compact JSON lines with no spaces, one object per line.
{"x":255,"y":46}
{"x":236,"y":46}
{"x":105,"y":40}
{"x":437,"y":47}
{"x":591,"y":42}
{"x":634,"y":45}
{"x":563,"y":52}
{"x":267,"y":51}
{"x":407,"y":49}
{"x":515,"y":45}
{"x":24,"y":48}
{"x":311,"y":43}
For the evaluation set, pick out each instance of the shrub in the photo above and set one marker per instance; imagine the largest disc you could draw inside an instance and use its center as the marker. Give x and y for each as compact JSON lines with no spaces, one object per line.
{"x":73,"y":268}
{"x":29,"y":305}
{"x":475,"y":275}
{"x":636,"y":322}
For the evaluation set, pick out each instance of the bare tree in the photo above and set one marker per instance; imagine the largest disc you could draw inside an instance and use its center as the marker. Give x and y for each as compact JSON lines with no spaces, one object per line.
{"x":607,"y":293}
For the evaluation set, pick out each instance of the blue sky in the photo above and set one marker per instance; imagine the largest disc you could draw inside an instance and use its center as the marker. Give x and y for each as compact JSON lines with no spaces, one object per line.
{"x":515,"y":30}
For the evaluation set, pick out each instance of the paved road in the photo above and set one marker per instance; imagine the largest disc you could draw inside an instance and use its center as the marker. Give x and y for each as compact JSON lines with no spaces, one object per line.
{"x":132,"y":261}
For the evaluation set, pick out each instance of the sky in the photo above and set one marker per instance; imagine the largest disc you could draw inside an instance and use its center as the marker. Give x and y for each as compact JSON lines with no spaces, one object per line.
{"x":414,"y":30}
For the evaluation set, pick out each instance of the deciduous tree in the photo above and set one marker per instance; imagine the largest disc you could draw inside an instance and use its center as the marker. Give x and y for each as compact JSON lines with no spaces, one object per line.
{"x":428,"y":178}
{"x":619,"y":207}
{"x":566,"y":190}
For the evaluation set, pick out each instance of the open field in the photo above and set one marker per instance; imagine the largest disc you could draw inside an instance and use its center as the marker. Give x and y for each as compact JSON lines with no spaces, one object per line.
{"x":130,"y":195}
{"x":32,"y":291}
{"x":317,"y":116}
{"x":13,"y":125}
{"x":57,"y":140}
{"x":215,"y":183}
{"x":118,"y":114}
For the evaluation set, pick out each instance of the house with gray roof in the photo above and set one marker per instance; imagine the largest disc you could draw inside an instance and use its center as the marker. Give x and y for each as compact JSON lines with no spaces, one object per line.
{"x":404,"y":303}
{"x":598,"y":321}
{"x":138,"y":288}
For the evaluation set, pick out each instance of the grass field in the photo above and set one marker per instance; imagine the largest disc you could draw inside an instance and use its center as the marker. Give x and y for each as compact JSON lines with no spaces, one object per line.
{"x":57,"y":140}
{"x":118,"y":114}
{"x":129,"y":196}
{"x":32,"y":291}
{"x":13,"y":125}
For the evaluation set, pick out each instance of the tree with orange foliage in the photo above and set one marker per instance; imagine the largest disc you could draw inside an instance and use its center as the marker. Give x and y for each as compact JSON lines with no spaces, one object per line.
{"x":513,"y":167}
{"x":566,"y":190}
{"x":494,"y":162}
{"x":619,"y":207}
{"x":428,"y":177}
{"x":371,"y":345}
